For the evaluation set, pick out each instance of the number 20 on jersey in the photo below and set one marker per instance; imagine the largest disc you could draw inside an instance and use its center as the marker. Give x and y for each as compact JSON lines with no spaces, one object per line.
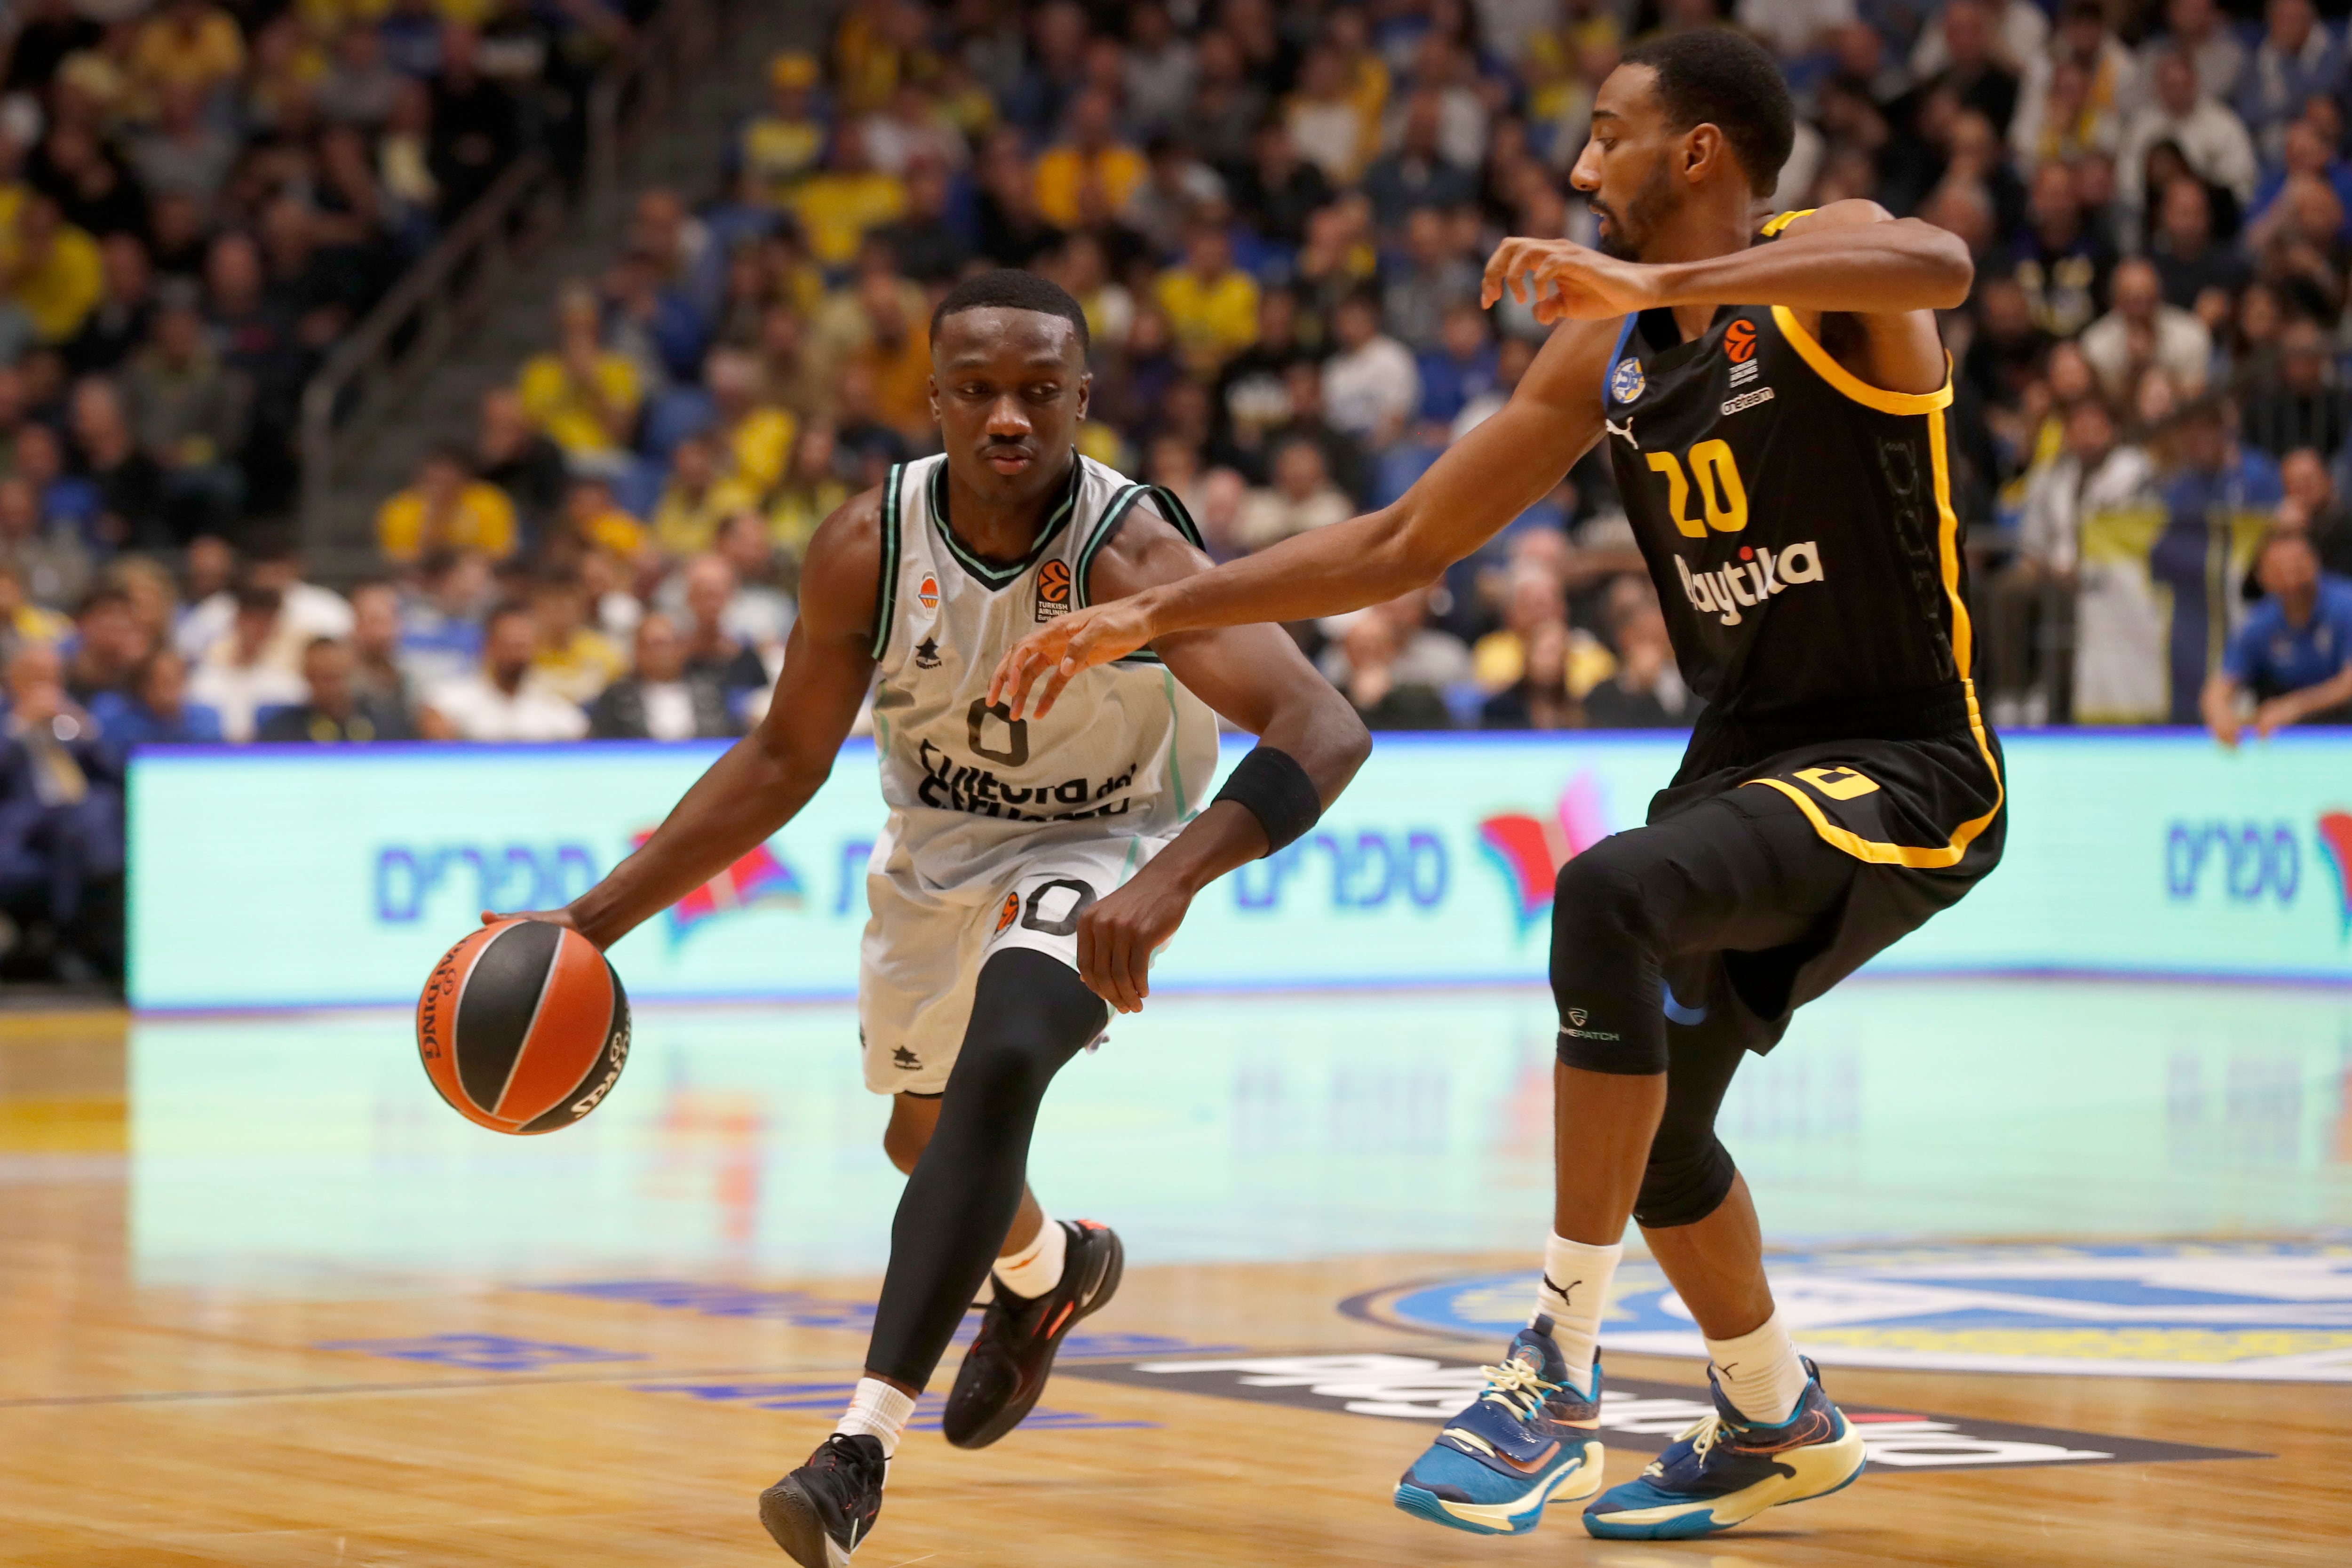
{"x":1722,"y":497}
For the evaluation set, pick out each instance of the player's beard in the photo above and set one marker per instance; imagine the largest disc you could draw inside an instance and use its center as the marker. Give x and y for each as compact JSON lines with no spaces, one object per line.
{"x":1629,"y":230}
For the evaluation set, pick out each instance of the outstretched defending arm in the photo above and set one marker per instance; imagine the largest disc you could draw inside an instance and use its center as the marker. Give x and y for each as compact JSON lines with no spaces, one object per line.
{"x":1255,"y":677}
{"x":1469,"y":495}
{"x":1865,"y":282}
{"x":766,"y":778}
{"x":1849,"y":257}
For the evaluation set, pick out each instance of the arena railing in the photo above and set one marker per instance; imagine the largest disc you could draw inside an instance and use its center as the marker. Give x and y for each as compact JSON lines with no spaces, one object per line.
{"x":400,"y":342}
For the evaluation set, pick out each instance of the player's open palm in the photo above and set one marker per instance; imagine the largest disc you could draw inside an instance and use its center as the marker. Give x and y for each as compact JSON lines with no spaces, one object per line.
{"x":1060,"y":651}
{"x":1118,"y":937}
{"x":1567,"y":281}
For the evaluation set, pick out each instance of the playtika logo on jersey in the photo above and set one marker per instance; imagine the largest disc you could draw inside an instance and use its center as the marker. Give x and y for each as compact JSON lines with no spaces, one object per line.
{"x":1756,"y":576}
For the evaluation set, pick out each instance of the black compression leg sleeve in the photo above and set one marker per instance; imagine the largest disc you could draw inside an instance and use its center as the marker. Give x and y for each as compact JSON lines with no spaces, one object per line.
{"x":1030,"y":1015}
{"x":1690,"y":1172}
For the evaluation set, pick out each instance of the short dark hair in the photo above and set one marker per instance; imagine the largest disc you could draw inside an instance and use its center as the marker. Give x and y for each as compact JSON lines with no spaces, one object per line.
{"x":1007,"y":288}
{"x":1717,"y":77}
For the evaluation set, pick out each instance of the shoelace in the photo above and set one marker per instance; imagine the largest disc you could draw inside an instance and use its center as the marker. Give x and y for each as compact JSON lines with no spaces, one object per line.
{"x":1516,"y":1386}
{"x":840,"y":1456}
{"x":1702,"y":1434}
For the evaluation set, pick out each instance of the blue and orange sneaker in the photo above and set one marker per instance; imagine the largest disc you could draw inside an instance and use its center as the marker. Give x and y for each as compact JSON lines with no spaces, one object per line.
{"x":1728,"y":1468}
{"x":1530,"y":1438}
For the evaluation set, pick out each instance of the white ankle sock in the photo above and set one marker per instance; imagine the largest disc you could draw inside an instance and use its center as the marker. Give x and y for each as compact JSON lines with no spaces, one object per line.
{"x":1574,"y":1294}
{"x":878,"y":1411}
{"x":1760,"y":1373}
{"x":1036,"y":1268}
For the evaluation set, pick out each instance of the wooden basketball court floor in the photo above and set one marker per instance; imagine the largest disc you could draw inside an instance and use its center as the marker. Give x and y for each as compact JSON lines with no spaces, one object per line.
{"x":2078,"y":1254}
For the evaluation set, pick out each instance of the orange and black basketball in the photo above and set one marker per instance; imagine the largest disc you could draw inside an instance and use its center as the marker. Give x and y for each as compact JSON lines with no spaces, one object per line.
{"x":524,"y":1026}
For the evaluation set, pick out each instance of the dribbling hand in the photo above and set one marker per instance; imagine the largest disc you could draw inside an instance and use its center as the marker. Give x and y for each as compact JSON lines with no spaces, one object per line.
{"x":1062,"y":649}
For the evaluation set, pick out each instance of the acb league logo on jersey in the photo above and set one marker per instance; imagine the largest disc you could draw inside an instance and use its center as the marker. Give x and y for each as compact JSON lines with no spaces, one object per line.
{"x":1053,"y":590}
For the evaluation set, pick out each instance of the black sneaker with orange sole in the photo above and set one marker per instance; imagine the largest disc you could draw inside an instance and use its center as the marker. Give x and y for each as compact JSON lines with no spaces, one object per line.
{"x":1006,"y":1369}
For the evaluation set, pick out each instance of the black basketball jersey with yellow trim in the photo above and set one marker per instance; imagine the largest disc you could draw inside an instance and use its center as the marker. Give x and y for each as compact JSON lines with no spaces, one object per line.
{"x":1799,"y":525}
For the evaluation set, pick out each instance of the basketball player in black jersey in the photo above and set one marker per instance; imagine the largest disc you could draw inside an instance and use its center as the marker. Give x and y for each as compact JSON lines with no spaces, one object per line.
{"x":1773,"y":395}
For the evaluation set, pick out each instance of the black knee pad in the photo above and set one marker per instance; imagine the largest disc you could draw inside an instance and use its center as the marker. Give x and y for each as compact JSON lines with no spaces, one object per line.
{"x":1684,"y":1185}
{"x":1597,"y":897}
{"x":1604,"y":965}
{"x":1030,"y":1014}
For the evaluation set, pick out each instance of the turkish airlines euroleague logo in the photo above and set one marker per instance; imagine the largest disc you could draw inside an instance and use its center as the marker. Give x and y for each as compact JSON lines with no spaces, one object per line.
{"x":1053,"y":590}
{"x":1739,"y":341}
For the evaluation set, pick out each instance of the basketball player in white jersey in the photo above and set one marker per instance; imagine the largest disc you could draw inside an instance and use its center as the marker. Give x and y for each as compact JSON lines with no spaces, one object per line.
{"x":1016,"y":852}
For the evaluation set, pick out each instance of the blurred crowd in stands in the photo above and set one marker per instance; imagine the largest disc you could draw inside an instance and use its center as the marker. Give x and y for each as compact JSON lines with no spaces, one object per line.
{"x":197,"y":200}
{"x":1275,"y":217}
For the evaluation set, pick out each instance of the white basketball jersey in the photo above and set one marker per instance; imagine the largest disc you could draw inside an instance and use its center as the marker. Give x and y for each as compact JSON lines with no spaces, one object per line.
{"x":1127,"y":751}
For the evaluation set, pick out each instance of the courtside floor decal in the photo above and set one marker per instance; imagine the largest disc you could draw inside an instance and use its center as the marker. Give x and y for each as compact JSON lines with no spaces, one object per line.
{"x":1634,"y":1413}
{"x":2274,"y":1311}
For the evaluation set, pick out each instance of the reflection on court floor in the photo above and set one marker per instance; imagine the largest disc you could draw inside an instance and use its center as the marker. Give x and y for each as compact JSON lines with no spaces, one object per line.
{"x":301,"y":1152}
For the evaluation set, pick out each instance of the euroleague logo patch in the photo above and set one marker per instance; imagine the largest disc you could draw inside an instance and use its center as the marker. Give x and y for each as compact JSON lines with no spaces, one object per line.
{"x":1053,"y":590}
{"x":1626,"y":381}
{"x":1739,"y":341}
{"x":928,"y":595}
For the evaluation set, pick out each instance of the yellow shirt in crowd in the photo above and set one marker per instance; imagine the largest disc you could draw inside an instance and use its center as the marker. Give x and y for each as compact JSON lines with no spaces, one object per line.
{"x":483,"y":519}
{"x":616,"y":532}
{"x":581,"y":668}
{"x":868,"y":63}
{"x":797,"y":510}
{"x":1499,"y":659}
{"x":758,"y":449}
{"x":836,"y":209}
{"x":564,"y":410}
{"x":166,"y":56}
{"x":1214,"y":318}
{"x":686,"y":525}
{"x":1064,"y":172}
{"x":31,"y":623}
{"x":902,"y":381}
{"x":779,"y":152}
{"x":59,"y":292}
{"x":1101,"y":442}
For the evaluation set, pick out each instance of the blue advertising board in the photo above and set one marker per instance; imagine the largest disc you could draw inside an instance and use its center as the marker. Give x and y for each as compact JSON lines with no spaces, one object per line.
{"x":268,"y":877}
